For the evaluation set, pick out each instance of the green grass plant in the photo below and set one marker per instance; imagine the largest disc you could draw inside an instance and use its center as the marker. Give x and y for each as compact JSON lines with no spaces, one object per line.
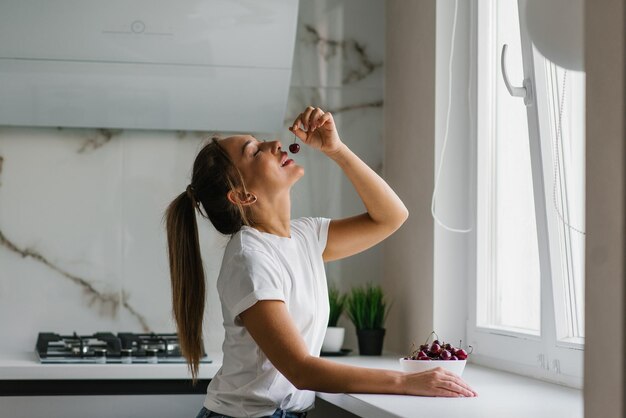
{"x":337,"y":303}
{"x":366,"y":307}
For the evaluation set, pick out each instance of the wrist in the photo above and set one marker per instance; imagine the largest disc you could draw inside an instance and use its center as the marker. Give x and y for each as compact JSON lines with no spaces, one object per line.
{"x":400,"y":383}
{"x":337,"y":152}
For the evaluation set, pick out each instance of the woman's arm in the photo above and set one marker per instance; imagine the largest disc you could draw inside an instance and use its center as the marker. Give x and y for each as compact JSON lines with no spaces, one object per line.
{"x":271,"y":326}
{"x":385,"y":211}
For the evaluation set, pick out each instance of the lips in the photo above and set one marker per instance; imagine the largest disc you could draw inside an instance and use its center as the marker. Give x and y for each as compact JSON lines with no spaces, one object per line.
{"x":284,"y":160}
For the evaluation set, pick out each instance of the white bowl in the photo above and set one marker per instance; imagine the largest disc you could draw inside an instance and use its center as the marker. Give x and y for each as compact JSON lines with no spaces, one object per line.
{"x":455,"y":366}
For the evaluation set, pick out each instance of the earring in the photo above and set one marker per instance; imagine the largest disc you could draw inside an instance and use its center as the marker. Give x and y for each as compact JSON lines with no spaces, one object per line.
{"x":250,"y":200}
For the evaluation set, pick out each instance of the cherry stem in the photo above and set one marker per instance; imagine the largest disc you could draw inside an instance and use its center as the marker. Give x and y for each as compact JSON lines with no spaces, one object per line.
{"x":431,"y":334}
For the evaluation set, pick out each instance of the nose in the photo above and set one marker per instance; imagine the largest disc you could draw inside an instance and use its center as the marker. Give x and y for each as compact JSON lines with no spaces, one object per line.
{"x":276,"y":146}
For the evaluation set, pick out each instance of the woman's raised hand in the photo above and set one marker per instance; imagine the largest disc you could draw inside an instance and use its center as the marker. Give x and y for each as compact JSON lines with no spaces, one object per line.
{"x":317,"y":129}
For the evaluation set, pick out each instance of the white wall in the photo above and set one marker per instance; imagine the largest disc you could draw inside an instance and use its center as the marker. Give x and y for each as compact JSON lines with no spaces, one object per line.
{"x":428,"y":281}
{"x":409,"y":150}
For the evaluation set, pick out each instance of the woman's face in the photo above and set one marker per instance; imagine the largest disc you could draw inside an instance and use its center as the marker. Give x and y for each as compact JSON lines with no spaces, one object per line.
{"x":266,"y":168}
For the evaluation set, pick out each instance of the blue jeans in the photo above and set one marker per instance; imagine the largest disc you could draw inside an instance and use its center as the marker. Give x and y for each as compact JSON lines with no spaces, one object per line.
{"x":279,"y":413}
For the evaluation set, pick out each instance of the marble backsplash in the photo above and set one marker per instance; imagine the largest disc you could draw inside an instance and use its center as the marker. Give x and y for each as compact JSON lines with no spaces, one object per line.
{"x":82,"y":240}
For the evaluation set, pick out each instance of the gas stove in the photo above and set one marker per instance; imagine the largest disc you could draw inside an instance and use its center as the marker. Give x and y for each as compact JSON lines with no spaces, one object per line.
{"x":105,"y":347}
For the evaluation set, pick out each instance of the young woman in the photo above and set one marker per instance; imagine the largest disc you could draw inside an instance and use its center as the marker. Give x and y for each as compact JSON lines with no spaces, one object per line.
{"x":272,"y":284}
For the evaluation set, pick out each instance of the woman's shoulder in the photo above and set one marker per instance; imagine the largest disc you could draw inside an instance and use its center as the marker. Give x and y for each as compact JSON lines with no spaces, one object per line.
{"x":247,"y":242}
{"x":308,"y":222}
{"x":314,"y":227}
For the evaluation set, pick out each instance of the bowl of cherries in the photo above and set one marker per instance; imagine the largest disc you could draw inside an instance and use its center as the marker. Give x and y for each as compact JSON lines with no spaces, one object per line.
{"x":436,"y":354}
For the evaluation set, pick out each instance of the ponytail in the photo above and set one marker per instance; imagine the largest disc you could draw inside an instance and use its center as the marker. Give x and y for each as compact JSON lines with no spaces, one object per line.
{"x":187,"y":276}
{"x":213,"y":176}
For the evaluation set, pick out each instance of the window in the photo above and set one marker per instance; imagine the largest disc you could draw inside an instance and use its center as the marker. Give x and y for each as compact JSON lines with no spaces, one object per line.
{"x":527,"y":302}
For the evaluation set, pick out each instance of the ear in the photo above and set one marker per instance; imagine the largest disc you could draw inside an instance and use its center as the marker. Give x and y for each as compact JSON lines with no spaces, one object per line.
{"x":241,"y":198}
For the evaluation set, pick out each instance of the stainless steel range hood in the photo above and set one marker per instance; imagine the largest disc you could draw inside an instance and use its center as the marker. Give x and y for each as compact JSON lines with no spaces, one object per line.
{"x":222,"y":65}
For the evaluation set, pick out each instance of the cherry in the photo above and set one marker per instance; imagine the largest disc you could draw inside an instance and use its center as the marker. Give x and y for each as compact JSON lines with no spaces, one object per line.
{"x":461,"y":354}
{"x":295,"y":147}
{"x":438,"y":350}
{"x":435,"y":349}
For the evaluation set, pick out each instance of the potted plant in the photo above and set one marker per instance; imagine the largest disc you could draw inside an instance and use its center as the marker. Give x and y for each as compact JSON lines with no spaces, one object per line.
{"x":367,"y":309}
{"x":334,"y":334}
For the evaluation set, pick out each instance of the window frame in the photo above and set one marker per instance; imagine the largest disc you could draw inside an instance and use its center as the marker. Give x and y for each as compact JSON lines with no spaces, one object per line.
{"x":542,"y":356}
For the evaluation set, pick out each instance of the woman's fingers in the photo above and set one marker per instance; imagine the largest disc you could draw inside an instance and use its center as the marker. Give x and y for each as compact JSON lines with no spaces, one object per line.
{"x":302,"y":135}
{"x":439,"y":382}
{"x":455,"y":389}
{"x":325,"y":118}
{"x":298,"y":122}
{"x":306,"y":125}
{"x":314,"y":118}
{"x":296,"y":127}
{"x":306,"y":116}
{"x":456,"y":379}
{"x":310,"y":119}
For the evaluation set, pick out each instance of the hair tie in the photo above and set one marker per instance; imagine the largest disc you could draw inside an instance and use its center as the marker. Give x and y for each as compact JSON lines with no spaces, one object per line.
{"x":191,"y":193}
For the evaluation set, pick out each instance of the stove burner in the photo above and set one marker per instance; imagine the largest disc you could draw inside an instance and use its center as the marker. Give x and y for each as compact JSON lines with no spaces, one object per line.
{"x":105,"y":347}
{"x":166,"y":344}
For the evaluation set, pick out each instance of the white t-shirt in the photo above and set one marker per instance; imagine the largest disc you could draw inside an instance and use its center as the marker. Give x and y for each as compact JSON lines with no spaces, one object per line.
{"x":261,"y":266}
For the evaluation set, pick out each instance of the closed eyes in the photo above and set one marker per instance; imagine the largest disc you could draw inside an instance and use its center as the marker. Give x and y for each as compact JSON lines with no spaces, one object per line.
{"x":258,"y":149}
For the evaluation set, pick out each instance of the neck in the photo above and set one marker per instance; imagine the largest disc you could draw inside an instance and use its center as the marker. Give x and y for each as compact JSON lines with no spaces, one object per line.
{"x":273,"y":216}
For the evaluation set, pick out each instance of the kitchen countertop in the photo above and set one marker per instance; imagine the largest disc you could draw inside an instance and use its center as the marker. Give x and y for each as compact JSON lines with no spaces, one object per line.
{"x":26,"y":366}
{"x":499,"y":393}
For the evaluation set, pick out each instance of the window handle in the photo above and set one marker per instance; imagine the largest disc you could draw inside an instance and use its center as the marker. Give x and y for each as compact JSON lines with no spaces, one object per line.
{"x":525,"y":91}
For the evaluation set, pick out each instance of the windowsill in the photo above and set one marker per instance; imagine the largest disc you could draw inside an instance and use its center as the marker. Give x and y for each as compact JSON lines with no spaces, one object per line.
{"x":499,"y":394}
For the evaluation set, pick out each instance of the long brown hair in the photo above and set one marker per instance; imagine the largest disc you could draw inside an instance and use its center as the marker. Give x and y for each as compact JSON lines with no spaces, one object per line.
{"x":213,"y":176}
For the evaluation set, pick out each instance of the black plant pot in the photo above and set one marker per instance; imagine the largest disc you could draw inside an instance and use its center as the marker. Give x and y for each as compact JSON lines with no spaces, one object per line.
{"x":370,"y":341}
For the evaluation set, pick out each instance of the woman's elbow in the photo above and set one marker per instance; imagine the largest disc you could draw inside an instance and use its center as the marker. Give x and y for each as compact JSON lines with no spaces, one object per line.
{"x":401,"y":217}
{"x":299,"y":380}
{"x":392,"y":222}
{"x":405,"y":214}
{"x":300,"y":377}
